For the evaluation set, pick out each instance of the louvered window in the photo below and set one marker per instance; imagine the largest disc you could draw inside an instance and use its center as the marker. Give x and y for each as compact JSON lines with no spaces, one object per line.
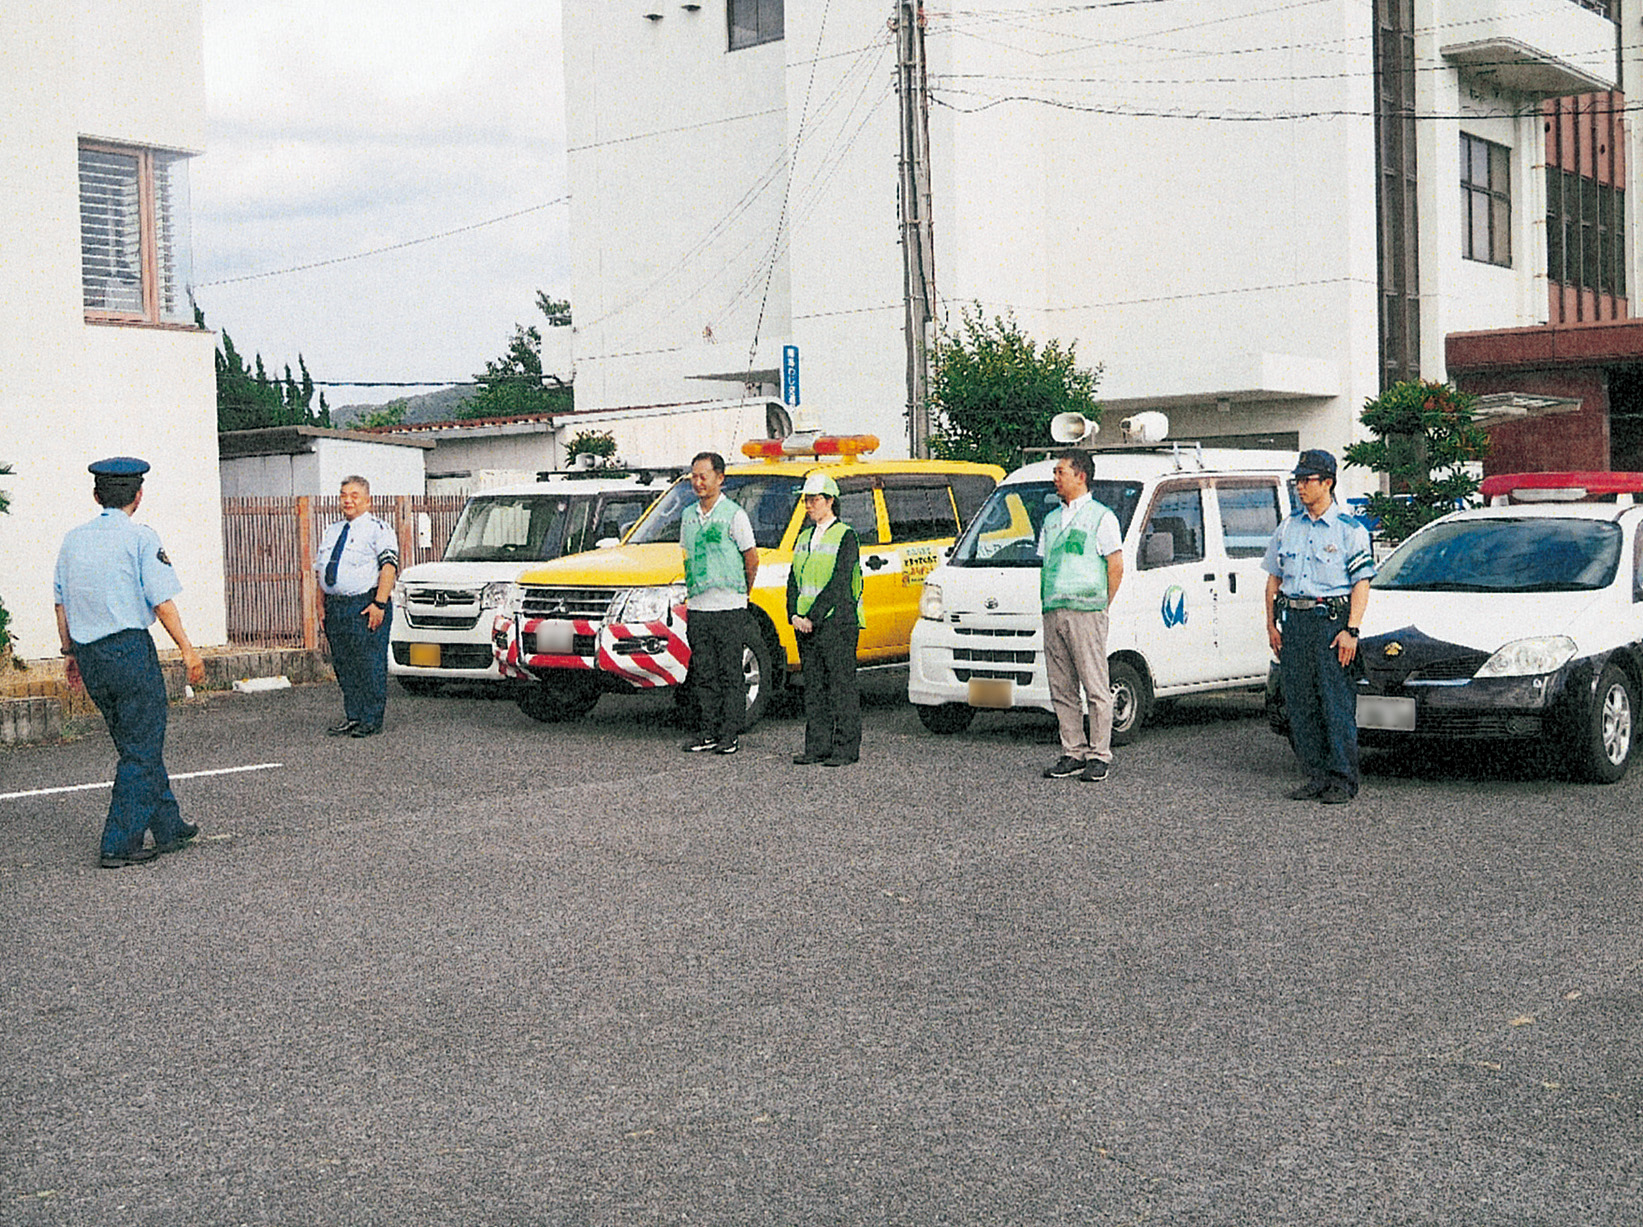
{"x":134,"y":240}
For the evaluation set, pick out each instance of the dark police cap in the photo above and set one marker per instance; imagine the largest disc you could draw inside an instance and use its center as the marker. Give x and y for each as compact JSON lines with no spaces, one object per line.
{"x":118,"y":466}
{"x":1315,"y":462}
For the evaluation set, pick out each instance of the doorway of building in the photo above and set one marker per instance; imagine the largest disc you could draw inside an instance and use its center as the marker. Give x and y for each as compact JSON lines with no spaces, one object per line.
{"x":1626,"y":418}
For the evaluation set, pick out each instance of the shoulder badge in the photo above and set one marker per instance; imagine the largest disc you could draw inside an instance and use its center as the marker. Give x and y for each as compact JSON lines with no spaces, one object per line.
{"x":160,"y":554}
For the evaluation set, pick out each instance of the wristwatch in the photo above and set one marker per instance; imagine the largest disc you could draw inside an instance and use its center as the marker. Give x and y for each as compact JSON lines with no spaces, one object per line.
{"x":1351,"y":630}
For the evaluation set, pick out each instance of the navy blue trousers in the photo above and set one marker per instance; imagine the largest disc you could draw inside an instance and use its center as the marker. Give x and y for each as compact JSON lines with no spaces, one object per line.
{"x":122,"y":676}
{"x":1320,"y":698}
{"x":360,"y":656}
{"x":716,"y":670}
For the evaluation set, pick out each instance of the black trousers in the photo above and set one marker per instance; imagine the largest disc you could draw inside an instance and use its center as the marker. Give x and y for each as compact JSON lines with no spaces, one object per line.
{"x":832,"y":701}
{"x":716,"y":637}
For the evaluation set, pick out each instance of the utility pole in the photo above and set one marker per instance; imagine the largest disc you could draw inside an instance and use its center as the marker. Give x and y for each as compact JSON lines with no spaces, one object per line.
{"x":917,"y":242}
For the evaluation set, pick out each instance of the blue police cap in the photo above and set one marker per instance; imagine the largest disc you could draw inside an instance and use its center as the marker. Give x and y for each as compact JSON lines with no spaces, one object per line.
{"x":118,"y":466}
{"x":1315,"y":462}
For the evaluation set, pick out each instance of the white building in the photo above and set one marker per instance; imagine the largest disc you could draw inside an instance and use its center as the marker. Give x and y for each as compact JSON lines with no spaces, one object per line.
{"x":1199,"y":195}
{"x":101,"y":104}
{"x":288,"y":461}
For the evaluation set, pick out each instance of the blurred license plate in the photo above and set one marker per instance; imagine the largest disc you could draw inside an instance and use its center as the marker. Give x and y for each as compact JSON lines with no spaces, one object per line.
{"x":1378,"y":712}
{"x":992,"y":692}
{"x":424,"y":655}
{"x":554,"y":638}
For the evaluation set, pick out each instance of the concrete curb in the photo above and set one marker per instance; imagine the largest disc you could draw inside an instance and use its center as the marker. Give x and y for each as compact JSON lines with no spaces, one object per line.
{"x":47,"y":704}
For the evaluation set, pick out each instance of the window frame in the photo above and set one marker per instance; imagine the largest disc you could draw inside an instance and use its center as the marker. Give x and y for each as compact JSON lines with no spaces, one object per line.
{"x":1495,"y":199}
{"x":757,"y":14}
{"x":148,"y":240}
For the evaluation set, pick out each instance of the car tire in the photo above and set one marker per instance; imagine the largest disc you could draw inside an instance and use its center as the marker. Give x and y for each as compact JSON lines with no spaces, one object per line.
{"x":758,"y":675}
{"x":1606,"y":743}
{"x":1131,"y":700}
{"x":418,"y":685}
{"x":556,"y":702}
{"x":946,"y":718}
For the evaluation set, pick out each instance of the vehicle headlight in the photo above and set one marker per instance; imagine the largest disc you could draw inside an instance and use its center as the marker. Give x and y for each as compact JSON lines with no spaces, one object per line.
{"x":929,"y":603}
{"x":1530,"y":657}
{"x":399,"y":592}
{"x":498,"y":594}
{"x":648,"y":604}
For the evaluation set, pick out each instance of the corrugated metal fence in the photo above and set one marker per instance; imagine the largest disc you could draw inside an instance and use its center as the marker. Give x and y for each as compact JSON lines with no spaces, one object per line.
{"x":268,"y":558}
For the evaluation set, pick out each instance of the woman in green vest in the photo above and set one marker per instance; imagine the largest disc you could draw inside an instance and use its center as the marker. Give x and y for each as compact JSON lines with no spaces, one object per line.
{"x":824,"y":606}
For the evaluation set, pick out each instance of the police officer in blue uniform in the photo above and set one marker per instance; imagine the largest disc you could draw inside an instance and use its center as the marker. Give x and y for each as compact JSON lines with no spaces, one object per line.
{"x":1319,"y":566}
{"x":112,"y":582}
{"x":358,"y":561}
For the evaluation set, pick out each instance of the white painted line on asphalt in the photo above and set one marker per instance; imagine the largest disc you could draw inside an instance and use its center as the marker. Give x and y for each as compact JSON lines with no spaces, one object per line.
{"x":186,"y":775}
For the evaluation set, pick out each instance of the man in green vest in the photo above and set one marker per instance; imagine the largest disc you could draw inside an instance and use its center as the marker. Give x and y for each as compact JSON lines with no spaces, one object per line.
{"x":824,"y":606}
{"x":1082,"y":549}
{"x":721,"y":560}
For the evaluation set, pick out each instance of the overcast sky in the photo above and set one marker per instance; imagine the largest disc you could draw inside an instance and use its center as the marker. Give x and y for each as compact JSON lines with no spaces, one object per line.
{"x":342,"y":127}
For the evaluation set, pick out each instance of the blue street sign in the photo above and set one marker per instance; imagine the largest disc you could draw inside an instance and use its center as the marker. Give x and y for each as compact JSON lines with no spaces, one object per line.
{"x":790,"y":375}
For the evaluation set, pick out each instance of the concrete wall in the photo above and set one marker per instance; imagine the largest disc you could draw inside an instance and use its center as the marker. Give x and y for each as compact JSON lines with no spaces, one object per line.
{"x":1191,"y":203}
{"x":72,"y":392}
{"x":391,"y":469}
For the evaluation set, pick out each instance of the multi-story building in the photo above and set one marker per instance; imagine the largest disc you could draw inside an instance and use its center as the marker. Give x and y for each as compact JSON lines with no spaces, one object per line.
{"x":101,"y":105}
{"x":1252,"y":217}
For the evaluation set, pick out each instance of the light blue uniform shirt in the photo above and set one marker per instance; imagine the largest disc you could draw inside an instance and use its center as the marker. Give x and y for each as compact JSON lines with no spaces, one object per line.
{"x":370,"y":544}
{"x":1319,"y":558}
{"x":111,"y":574}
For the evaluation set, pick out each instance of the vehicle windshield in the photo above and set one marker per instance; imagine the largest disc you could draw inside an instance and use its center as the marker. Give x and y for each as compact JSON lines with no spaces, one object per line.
{"x":1005,"y":531}
{"x":508,"y":527}
{"x":768,"y":499}
{"x":1506,"y":555}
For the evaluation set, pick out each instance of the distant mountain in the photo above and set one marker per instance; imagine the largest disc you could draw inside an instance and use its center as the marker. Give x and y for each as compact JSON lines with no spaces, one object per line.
{"x":437,"y":406}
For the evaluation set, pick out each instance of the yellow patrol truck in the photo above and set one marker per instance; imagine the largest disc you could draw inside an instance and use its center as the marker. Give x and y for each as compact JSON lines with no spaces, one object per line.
{"x":614,"y":620}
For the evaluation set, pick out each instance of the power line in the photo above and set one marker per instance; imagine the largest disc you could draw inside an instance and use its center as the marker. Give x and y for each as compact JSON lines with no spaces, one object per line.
{"x":431,"y":238}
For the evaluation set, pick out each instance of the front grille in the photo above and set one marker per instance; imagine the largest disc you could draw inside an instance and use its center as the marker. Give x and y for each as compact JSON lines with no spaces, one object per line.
{"x":436,"y":598}
{"x":1000,"y":675}
{"x":1456,"y":668}
{"x":588,"y":603}
{"x":442,"y":622}
{"x":994,"y":656}
{"x":1477,"y":724}
{"x":1000,"y":632}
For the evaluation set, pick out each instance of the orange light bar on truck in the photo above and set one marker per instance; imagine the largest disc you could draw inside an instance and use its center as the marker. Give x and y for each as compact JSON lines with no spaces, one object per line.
{"x":846,"y":447}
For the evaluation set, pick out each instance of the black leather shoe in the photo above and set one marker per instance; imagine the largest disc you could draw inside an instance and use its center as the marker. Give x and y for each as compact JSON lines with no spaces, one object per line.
{"x":804,"y":760}
{"x":1335,"y":795}
{"x":184,"y":836}
{"x":838,"y":760}
{"x":120,"y":861}
{"x":342,"y":728}
{"x":1307,"y":792}
{"x":365,"y":730}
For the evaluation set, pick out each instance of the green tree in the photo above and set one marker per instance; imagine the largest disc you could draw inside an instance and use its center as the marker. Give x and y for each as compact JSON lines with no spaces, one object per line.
{"x":1424,"y":438}
{"x":993,"y":391}
{"x":600,"y":443}
{"x":514,"y":384}
{"x":391,"y":414}
{"x":249,"y":398}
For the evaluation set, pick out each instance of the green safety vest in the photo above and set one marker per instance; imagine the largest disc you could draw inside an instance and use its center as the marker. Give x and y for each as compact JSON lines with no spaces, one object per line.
{"x":711,"y":557}
{"x":1075,"y":573}
{"x":813,"y":561}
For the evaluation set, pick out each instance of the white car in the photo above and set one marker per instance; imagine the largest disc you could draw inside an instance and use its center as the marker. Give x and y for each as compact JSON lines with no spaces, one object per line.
{"x":443,"y":610}
{"x":1522,"y":620}
{"x":1188,"y":617}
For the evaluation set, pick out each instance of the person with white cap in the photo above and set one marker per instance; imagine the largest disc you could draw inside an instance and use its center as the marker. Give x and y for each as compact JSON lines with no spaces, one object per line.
{"x":824,"y":606}
{"x":111,"y":583}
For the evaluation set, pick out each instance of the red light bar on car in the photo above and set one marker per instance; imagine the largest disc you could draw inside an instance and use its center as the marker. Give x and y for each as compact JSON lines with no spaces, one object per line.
{"x":1505,"y":488}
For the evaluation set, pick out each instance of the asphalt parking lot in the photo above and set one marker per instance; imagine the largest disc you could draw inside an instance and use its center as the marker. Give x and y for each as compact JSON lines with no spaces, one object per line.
{"x":485,"y":971}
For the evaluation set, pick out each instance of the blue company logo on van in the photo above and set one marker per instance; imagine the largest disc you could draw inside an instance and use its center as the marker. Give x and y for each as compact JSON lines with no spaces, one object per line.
{"x":1174,"y":607}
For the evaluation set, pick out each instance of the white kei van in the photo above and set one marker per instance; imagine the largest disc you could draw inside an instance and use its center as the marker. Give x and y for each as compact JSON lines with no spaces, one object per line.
{"x":443,"y":610}
{"x":1188,"y":616}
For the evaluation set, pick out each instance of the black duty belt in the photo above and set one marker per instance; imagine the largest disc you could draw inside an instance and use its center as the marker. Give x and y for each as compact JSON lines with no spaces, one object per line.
{"x":1335,"y":605}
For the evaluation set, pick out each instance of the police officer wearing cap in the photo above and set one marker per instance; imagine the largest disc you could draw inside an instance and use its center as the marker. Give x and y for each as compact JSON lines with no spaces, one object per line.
{"x":824,"y":607}
{"x":112,"y":582}
{"x":357,"y":561}
{"x":1319,"y":566}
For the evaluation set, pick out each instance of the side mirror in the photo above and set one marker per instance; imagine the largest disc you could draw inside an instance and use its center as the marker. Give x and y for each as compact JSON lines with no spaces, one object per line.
{"x":1158,"y":550}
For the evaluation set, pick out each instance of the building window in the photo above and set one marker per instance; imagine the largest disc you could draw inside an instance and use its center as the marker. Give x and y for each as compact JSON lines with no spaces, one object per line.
{"x":1485,"y":201}
{"x":753,"y":22}
{"x":1585,"y":243}
{"x":135,"y":261}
